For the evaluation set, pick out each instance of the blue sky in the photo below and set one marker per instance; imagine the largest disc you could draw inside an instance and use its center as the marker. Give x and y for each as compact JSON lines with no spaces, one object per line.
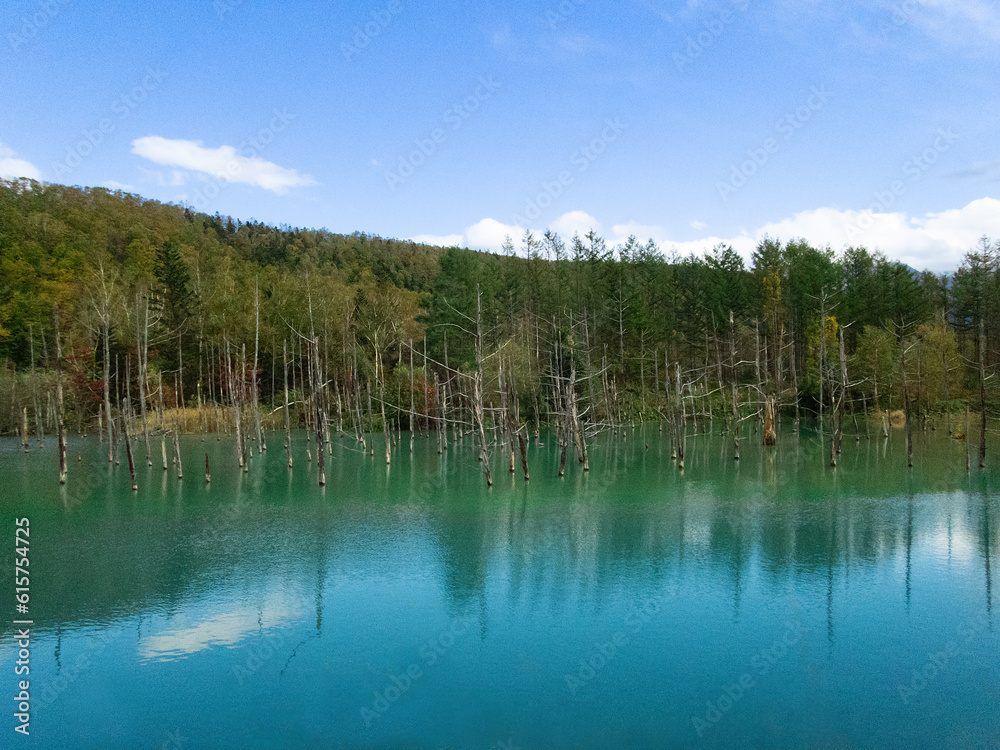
{"x":691,"y":123}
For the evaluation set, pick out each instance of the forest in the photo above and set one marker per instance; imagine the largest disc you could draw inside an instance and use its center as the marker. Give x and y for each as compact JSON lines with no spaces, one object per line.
{"x":122,"y":314}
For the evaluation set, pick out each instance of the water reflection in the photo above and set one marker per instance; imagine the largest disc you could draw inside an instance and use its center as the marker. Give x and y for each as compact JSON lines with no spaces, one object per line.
{"x":775,"y":513}
{"x":340,"y":588}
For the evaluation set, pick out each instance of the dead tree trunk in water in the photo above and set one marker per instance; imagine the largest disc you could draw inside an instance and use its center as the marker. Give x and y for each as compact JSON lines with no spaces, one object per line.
{"x":24,"y":428}
{"x":843,"y":392}
{"x":681,"y":418}
{"x":385,"y":425}
{"x":968,"y":462}
{"x":142,"y":351}
{"x":822,"y":353}
{"x":906,"y":403}
{"x":795,"y":385}
{"x":477,"y":391}
{"x":590,"y":369}
{"x":177,"y":451}
{"x":944,"y":370}
{"x":580,"y":436}
{"x":434,"y":410}
{"x":718,"y":371}
{"x":288,"y":422}
{"x":128,"y":454}
{"x":261,"y":444}
{"x":524,"y":453}
{"x":563,"y":428}
{"x":59,"y":399}
{"x":558,"y":399}
{"x":770,"y":434}
{"x":371,"y":419}
{"x":107,"y":394}
{"x":735,"y":387}
{"x":411,"y":395}
{"x":39,"y":426}
{"x":118,"y":400}
{"x":234,"y":398}
{"x":982,"y":394}
{"x":833,"y":450}
{"x":760,"y":383}
{"x":506,"y":421}
{"x":318,"y":410}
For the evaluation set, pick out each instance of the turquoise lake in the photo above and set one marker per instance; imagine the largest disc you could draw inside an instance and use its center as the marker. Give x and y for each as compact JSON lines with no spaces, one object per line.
{"x":773,"y":602}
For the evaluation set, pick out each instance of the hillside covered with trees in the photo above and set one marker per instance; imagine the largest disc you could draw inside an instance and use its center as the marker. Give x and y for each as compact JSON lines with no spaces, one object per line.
{"x":159,"y":305}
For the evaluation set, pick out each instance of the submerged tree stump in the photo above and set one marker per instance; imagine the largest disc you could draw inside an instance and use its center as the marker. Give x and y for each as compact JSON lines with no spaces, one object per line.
{"x":770,"y":434}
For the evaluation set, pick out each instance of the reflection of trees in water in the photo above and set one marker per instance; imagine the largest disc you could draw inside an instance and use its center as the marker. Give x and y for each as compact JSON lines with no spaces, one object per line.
{"x":985,"y":536}
{"x":634,"y":523}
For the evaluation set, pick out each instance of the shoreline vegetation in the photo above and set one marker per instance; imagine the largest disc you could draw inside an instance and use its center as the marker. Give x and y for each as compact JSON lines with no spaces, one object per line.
{"x":130,"y":318}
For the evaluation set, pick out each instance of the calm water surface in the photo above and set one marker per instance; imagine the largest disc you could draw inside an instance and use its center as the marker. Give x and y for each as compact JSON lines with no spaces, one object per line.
{"x":774,"y":603}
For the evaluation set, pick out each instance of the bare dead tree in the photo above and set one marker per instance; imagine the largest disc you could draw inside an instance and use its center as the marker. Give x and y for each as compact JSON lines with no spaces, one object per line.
{"x":906,"y":401}
{"x":128,"y":454}
{"x":982,"y":393}
{"x":288,"y":422}
{"x":477,"y":393}
{"x":59,"y":397}
{"x":39,"y":422}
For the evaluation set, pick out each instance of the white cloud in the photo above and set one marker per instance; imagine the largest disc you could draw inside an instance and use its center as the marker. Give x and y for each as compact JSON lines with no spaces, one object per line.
{"x":489,"y":234}
{"x":115,"y":185}
{"x":575,"y":222}
{"x":698,"y":224}
{"x":935,"y":241}
{"x":12,"y":168}
{"x":183,"y":633}
{"x":224,"y":163}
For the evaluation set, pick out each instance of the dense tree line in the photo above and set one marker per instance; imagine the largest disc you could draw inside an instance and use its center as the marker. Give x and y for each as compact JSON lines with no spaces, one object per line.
{"x":160,"y":305}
